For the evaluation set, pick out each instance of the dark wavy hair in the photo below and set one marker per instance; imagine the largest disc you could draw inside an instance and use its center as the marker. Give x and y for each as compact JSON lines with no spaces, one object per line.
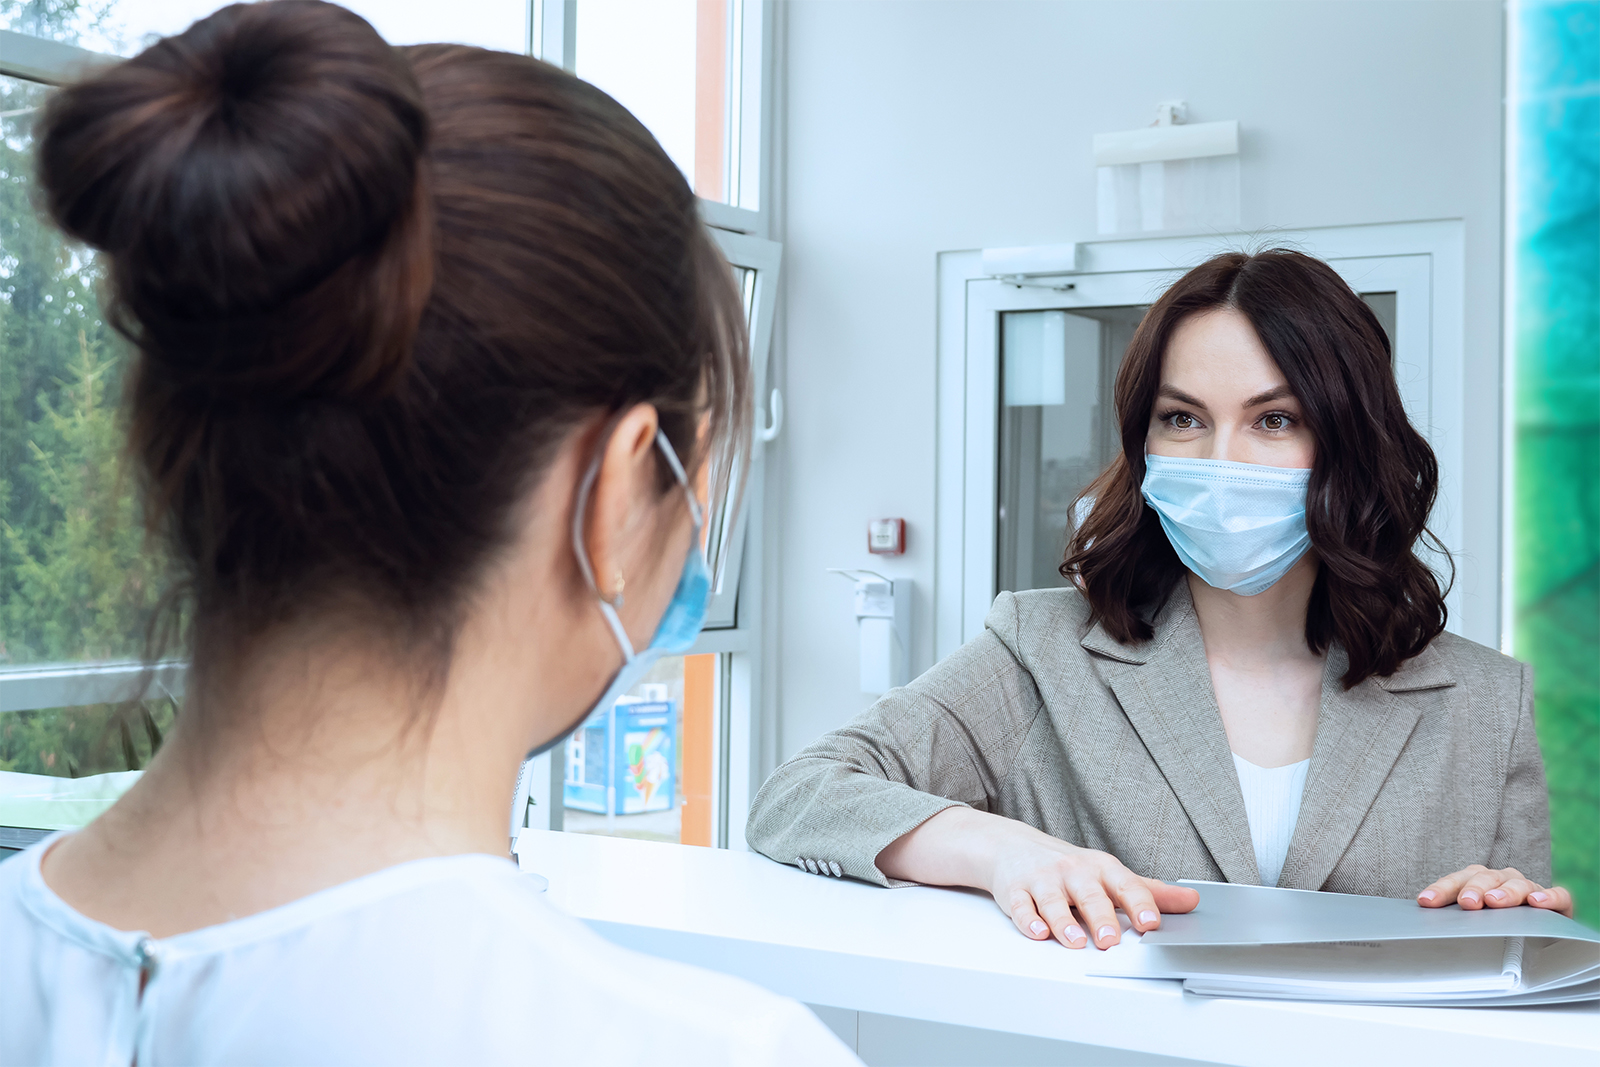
{"x":372,"y":290}
{"x":1373,"y":481}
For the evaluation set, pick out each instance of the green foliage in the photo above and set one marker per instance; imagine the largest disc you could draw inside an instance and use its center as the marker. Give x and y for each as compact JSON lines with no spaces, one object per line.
{"x":75,"y":742}
{"x":77,"y":579}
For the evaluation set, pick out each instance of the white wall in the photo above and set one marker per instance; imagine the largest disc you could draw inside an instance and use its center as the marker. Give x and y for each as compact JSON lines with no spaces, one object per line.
{"x":919,"y":127}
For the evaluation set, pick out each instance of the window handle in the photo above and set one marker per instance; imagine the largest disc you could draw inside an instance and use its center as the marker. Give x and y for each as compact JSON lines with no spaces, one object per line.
{"x":769,"y":433}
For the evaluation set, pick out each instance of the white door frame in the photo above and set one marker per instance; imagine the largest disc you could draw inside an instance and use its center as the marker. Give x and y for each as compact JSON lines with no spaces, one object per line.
{"x":1422,"y":262}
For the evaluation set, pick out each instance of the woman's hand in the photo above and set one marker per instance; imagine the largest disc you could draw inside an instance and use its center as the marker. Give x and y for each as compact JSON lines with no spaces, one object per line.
{"x":1049,"y":888}
{"x":1478,"y":887}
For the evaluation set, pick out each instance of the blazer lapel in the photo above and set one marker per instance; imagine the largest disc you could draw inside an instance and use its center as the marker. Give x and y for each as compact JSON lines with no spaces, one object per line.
{"x":1360,"y":733}
{"x":1164,"y":687}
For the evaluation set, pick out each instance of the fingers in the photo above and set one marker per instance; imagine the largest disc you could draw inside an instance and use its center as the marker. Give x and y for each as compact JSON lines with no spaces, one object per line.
{"x":1477,"y":887}
{"x":1555,"y":899}
{"x":1027,"y":918}
{"x":1511,"y":893}
{"x":1098,"y":911}
{"x":1472,"y":895}
{"x":1138,"y":903}
{"x":1073,"y":894}
{"x":1446,"y":889}
{"x":1055,"y":913}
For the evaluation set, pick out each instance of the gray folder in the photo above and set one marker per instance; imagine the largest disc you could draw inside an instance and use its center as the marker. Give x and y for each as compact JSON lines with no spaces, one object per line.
{"x":1258,"y":941}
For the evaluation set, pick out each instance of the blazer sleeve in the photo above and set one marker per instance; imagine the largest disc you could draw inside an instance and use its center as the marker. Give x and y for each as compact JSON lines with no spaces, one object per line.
{"x":1523,"y":837}
{"x":946,"y":739}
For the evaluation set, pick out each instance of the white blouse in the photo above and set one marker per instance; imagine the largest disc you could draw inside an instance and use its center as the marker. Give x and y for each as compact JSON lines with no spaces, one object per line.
{"x":1272,"y":803}
{"x":450,"y":960}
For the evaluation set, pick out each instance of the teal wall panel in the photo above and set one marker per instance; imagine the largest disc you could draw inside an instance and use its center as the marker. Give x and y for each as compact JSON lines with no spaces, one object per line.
{"x":1554,"y":215}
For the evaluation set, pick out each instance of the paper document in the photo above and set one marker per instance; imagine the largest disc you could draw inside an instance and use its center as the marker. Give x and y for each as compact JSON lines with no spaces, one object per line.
{"x":1290,"y":944}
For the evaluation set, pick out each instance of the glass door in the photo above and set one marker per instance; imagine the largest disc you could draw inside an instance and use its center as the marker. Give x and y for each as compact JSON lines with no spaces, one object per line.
{"x":1057,"y":429}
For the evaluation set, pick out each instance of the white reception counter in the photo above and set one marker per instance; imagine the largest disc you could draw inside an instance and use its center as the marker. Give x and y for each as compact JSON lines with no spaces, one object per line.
{"x":907,"y":974}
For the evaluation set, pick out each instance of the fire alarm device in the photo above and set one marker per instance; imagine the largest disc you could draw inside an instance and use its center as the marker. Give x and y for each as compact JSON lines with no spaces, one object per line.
{"x":886,"y":537}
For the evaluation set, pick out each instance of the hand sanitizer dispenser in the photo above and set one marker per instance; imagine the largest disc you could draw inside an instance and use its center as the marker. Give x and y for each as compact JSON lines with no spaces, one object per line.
{"x":883,"y":617}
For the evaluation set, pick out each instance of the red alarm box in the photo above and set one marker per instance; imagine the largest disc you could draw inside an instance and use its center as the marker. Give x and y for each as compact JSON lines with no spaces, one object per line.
{"x":886,"y":537}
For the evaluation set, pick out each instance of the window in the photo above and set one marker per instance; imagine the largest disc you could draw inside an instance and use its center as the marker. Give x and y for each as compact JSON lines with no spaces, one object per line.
{"x":660,"y":765}
{"x":76,"y":582}
{"x":691,"y":70}
{"x":648,"y":768}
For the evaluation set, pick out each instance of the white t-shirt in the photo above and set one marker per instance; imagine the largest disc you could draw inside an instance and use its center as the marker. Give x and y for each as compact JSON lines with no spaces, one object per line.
{"x":451,"y":960}
{"x":1272,"y":804}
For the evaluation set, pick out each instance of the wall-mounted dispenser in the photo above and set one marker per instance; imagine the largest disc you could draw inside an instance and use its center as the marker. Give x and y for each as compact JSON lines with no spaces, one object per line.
{"x":883,"y":617}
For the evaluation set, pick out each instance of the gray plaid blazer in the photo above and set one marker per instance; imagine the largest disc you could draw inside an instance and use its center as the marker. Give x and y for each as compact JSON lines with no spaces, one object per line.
{"x":1049,"y":721}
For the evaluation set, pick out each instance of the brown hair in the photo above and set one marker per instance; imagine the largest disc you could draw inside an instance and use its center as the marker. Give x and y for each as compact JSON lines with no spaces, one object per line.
{"x":1373,"y":480}
{"x":372,"y":290}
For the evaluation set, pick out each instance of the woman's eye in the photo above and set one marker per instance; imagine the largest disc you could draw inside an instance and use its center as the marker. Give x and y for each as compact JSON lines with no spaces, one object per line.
{"x":1180,"y":421}
{"x":1275,"y":422}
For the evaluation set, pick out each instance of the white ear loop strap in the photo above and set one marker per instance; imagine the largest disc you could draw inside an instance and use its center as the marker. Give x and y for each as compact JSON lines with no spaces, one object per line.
{"x":683,"y":478}
{"x":581,"y":511}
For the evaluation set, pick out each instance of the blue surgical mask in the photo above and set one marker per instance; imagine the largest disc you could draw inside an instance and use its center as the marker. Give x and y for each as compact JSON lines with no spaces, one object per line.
{"x":1239,"y":526}
{"x":680,"y":623}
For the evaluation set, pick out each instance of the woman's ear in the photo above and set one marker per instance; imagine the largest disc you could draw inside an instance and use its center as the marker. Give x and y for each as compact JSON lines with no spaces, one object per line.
{"x":619,"y":525}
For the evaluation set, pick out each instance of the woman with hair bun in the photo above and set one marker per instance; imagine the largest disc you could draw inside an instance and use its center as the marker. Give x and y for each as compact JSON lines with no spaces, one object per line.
{"x":433,"y":358}
{"x":1248,"y":681}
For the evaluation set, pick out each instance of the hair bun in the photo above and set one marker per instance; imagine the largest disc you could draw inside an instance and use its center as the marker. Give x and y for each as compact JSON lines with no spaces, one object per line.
{"x":257,"y":185}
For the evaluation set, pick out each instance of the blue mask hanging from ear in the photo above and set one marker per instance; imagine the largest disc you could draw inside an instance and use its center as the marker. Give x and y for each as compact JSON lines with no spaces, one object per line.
{"x":680,"y":623}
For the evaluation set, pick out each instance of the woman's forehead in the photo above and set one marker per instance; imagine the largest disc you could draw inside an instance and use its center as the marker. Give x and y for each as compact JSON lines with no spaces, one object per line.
{"x":1218,"y":351}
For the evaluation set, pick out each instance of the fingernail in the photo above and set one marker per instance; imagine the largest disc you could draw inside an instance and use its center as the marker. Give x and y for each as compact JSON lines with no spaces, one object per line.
{"x":1469,"y":898}
{"x":1148,"y":916}
{"x":1539,"y":897}
{"x":1074,"y":933}
{"x":1497,"y":894}
{"x":1039,"y":929}
{"x":1428,"y":895}
{"x":1106,"y":933}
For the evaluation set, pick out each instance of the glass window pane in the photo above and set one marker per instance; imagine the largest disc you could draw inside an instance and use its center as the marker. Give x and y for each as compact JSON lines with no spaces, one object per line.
{"x":667,"y":62}
{"x":76,"y":581}
{"x":123,"y":27}
{"x":1383,"y":306}
{"x":78,"y":742}
{"x":1058,"y":430}
{"x":646,"y":768}
{"x":721,"y":514}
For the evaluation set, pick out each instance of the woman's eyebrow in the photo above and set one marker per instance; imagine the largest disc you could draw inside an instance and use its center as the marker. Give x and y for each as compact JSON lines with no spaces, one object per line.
{"x":1180,"y":396}
{"x":1277,"y":392}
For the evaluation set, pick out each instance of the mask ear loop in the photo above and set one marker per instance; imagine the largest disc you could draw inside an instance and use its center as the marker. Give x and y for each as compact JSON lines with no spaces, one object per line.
{"x":678,"y":472}
{"x":580,"y":513}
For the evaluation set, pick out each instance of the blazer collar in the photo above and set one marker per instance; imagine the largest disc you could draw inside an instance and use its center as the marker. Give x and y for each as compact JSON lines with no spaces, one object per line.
{"x":1164,"y":687}
{"x":1360,"y":735}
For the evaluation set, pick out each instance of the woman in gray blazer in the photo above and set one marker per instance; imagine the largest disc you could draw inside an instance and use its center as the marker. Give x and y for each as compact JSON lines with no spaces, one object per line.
{"x":1249,"y":676}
